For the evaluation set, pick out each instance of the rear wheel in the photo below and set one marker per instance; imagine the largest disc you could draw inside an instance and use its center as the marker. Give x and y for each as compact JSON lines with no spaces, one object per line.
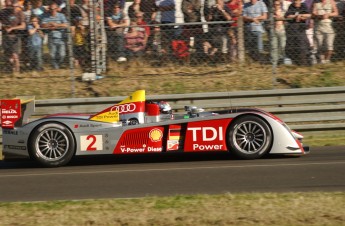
{"x":52,"y":145}
{"x":249,"y":137}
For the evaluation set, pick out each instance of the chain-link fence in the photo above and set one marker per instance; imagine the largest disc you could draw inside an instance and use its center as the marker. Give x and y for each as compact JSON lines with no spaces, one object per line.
{"x":110,"y":38}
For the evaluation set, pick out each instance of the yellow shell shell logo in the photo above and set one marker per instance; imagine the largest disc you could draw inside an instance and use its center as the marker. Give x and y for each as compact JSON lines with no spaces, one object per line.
{"x":156,"y":135}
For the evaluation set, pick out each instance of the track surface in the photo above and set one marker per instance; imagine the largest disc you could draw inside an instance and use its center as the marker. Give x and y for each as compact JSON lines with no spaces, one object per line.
{"x":137,"y":176}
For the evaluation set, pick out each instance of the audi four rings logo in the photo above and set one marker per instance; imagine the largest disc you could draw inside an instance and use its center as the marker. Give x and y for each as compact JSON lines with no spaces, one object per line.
{"x":124,"y":108}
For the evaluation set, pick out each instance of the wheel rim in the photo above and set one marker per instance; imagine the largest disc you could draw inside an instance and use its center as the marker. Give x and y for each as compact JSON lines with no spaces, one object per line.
{"x":249,"y":137}
{"x":52,"y":144}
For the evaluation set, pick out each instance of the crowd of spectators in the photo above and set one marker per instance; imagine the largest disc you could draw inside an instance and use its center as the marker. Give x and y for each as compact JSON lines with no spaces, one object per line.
{"x":303,"y":30}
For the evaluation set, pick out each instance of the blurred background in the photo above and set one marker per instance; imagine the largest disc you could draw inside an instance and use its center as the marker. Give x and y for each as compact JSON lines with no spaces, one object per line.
{"x":89,"y":48}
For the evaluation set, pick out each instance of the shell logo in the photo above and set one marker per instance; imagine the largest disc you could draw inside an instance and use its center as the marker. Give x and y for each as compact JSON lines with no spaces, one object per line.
{"x":156,"y":135}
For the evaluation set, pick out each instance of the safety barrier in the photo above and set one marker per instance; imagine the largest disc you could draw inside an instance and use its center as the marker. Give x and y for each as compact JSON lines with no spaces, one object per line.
{"x":303,"y":109}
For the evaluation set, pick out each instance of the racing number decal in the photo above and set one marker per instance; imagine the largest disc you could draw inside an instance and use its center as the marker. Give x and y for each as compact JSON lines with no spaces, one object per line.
{"x":91,"y":143}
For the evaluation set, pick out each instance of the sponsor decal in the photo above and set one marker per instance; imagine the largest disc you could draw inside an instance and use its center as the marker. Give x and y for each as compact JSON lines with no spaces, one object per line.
{"x":6,"y":122}
{"x":9,"y":111}
{"x":125,"y":149}
{"x":154,"y":149}
{"x":173,"y":145}
{"x":15,"y":147}
{"x":209,"y":147}
{"x":156,"y":135}
{"x":91,"y":142}
{"x":207,"y":133}
{"x":142,"y":149}
{"x":109,"y":116}
{"x":10,"y":116}
{"x":10,"y":132}
{"x":124,"y":108}
{"x":87,"y":125}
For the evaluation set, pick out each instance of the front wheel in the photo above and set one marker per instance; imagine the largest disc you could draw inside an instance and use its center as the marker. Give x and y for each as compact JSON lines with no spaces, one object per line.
{"x":52,"y":145}
{"x":249,"y":137}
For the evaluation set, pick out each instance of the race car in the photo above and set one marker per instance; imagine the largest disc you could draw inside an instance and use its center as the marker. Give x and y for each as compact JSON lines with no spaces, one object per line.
{"x":138,"y":126}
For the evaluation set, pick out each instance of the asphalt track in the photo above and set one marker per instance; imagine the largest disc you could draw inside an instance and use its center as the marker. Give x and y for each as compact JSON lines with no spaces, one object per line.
{"x":160,"y":175}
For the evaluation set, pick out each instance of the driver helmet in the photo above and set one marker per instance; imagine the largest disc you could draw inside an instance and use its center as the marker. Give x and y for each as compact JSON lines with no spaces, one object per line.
{"x":164,"y":107}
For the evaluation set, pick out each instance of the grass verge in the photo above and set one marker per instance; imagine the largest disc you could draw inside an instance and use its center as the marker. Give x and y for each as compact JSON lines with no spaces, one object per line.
{"x":226,"y":209}
{"x":324,"y":138}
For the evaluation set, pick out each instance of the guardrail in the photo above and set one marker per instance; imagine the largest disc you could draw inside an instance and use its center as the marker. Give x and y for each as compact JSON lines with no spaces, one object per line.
{"x":304,"y":109}
{"x":307,"y":109}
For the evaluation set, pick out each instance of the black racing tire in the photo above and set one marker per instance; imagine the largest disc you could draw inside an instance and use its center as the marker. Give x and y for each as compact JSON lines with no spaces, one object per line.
{"x":52,"y":145}
{"x":249,"y":137}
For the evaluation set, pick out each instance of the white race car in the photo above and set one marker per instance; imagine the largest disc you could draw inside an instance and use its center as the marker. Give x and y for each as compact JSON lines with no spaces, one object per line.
{"x":136,"y":126}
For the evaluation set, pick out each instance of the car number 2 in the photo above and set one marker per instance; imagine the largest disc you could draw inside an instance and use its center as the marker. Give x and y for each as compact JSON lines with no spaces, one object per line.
{"x":91,"y":142}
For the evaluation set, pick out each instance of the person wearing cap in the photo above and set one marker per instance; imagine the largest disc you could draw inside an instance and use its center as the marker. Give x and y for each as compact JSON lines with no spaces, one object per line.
{"x":13,"y":21}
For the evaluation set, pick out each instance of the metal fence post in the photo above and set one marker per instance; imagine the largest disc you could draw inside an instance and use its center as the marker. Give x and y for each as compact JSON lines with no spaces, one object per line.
{"x":240,"y":37}
{"x":70,"y":48}
{"x":273,"y":43}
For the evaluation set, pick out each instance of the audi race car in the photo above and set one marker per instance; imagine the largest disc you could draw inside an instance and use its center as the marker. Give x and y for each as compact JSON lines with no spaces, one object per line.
{"x":139,"y":126}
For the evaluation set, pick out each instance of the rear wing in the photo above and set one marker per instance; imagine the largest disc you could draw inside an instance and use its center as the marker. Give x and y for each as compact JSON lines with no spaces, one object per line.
{"x":132,"y":106}
{"x":16,"y":112}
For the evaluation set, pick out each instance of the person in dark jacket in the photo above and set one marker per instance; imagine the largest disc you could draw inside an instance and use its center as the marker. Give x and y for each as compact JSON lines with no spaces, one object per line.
{"x":297,"y":41}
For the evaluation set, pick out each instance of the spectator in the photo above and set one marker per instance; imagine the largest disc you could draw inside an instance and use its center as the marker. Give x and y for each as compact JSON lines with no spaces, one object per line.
{"x":285,"y":5}
{"x":156,"y":46}
{"x":12,"y":21}
{"x":61,"y":5}
{"x":191,"y":12}
{"x":135,"y":41}
{"x":117,"y":23}
{"x":279,"y":38}
{"x":27,"y":10}
{"x":133,"y":9}
{"x":323,"y":11}
{"x":217,"y":33}
{"x":142,"y":25}
{"x":75,"y":10}
{"x":84,"y":8}
{"x":55,"y":23}
{"x":81,"y":44}
{"x":149,"y":8}
{"x":236,"y":9}
{"x":310,"y":32}
{"x":38,"y":9}
{"x":254,"y":12}
{"x":167,"y":10}
{"x":297,"y":42}
{"x":34,"y":43}
{"x":167,"y":16}
{"x":109,"y":5}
